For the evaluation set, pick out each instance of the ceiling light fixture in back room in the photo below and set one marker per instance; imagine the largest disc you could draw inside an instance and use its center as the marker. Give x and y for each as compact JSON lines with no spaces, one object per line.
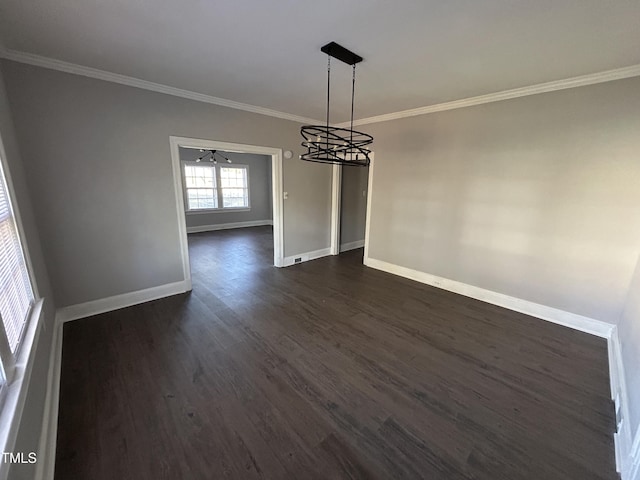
{"x":328,"y":144}
{"x":212,"y":158}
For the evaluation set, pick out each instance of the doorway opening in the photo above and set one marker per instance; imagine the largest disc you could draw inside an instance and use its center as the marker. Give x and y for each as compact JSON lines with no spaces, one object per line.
{"x":223,"y":186}
{"x":351,"y":192}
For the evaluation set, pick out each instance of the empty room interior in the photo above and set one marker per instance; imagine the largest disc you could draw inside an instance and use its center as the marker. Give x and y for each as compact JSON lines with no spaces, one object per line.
{"x":336,"y":240}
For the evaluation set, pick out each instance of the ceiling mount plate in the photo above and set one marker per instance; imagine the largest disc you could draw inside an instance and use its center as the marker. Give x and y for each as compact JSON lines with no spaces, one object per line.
{"x":338,"y":51}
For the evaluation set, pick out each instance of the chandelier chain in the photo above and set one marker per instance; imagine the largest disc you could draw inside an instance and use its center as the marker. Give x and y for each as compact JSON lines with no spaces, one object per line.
{"x":328,"y":90}
{"x":353,"y":94}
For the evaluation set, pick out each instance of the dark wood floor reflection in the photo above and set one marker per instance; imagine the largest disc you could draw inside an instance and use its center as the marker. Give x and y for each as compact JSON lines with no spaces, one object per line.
{"x":327,"y":370}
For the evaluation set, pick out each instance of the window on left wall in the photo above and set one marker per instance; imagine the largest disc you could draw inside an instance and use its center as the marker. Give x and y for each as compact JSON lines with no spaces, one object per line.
{"x":16,"y":292}
{"x":209,"y":186}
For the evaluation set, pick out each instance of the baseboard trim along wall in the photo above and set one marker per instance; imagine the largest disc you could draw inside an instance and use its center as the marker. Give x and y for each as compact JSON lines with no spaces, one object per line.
{"x":627,"y":452}
{"x":305,"y":257}
{"x":82,"y":310}
{"x":48,"y":436}
{"x":571,"y":320}
{"x":227,"y":226}
{"x":345,"y":247}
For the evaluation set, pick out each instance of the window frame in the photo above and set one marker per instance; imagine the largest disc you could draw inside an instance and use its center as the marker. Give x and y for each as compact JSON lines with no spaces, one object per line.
{"x":16,"y":367}
{"x":187,"y":209}
{"x":9,"y":359}
{"x":218,"y":188}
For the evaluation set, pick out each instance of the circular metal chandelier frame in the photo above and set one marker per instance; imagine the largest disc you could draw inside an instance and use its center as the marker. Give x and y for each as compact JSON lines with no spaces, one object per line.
{"x":329,"y":144}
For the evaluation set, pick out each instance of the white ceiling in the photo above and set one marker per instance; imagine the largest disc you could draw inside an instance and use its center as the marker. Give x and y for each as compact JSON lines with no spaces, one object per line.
{"x":266,"y":53}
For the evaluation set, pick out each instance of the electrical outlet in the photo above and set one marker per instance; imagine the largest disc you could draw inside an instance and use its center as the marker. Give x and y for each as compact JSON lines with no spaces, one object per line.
{"x":285,"y":195}
{"x":298,"y":260}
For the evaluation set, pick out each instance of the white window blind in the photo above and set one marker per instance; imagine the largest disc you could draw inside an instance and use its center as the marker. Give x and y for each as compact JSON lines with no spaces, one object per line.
{"x":16,"y":294}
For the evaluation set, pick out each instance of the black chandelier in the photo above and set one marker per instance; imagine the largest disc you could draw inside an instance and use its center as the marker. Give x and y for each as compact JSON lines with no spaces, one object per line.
{"x":211,"y":156}
{"x":328,"y":144}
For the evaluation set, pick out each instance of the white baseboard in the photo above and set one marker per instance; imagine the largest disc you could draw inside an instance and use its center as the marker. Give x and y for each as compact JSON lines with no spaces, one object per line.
{"x":571,"y":320}
{"x":47,"y":447}
{"x":227,"y":226}
{"x":82,"y":310}
{"x":48,"y":436}
{"x":305,"y":257}
{"x":345,"y":247}
{"x":627,"y":452}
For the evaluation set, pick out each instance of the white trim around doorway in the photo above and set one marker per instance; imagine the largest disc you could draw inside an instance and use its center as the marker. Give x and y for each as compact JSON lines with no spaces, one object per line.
{"x":336,"y":194}
{"x":276,"y":175}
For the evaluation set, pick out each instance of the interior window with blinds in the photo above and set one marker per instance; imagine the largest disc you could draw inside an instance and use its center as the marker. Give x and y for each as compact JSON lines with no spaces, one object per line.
{"x":16,"y":294}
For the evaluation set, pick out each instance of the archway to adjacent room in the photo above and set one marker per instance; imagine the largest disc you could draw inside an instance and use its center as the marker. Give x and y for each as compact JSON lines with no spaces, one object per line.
{"x":181,"y":144}
{"x":350,"y":205}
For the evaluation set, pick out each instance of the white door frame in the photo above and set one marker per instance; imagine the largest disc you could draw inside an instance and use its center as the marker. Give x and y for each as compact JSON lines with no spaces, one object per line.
{"x":276,"y":176}
{"x":336,"y":194}
{"x":367,"y":222}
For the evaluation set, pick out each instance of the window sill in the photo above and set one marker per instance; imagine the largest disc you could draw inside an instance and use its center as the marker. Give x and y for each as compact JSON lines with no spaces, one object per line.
{"x":217,"y":210}
{"x":16,"y":392}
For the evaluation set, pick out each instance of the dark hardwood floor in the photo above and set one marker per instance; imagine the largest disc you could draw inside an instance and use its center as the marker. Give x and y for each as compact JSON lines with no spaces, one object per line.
{"x":327,"y":370}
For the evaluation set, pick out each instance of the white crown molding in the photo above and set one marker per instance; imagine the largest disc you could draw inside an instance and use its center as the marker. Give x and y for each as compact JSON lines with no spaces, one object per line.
{"x":581,"y":81}
{"x":62,"y":66}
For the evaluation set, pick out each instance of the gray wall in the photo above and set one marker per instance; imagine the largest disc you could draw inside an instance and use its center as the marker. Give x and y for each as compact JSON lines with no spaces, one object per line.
{"x":629,"y":333}
{"x":260,"y":191}
{"x":97,"y":155}
{"x":353,"y":205}
{"x":535,"y":197}
{"x":31,"y":424}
